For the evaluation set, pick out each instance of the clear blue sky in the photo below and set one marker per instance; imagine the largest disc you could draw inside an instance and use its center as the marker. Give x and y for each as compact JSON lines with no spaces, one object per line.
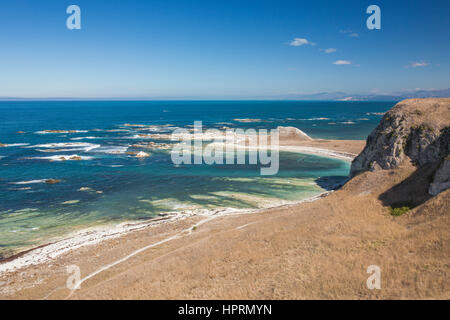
{"x":220,"y":48}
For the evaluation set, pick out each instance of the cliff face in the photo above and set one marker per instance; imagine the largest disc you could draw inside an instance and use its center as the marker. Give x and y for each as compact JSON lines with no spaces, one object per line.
{"x":441,"y":180}
{"x":418,"y":129}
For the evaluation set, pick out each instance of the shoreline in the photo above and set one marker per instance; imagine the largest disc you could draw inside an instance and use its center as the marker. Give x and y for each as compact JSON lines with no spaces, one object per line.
{"x":92,"y":236}
{"x":320,"y":152}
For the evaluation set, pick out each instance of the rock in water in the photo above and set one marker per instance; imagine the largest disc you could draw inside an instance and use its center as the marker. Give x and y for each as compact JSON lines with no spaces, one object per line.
{"x":142,"y":154}
{"x":52,"y":181}
{"x":292,"y":133}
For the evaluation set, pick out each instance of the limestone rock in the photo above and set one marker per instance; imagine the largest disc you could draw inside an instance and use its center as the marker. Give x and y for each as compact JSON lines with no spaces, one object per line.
{"x":414,"y":128}
{"x":292,"y":133}
{"x":441,"y":180}
{"x":142,"y":154}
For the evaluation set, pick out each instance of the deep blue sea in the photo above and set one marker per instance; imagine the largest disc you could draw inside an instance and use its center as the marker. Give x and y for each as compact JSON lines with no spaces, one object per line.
{"x":111,"y":185}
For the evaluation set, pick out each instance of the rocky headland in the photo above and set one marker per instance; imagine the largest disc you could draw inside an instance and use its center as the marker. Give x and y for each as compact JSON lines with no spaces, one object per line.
{"x":415,"y":130}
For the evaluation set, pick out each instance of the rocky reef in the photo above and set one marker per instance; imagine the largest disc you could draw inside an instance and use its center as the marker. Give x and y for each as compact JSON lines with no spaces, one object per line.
{"x":414,"y":129}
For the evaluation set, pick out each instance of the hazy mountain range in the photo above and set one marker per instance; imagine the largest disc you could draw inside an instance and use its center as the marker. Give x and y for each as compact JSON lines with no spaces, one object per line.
{"x":333,"y":96}
{"x":343,"y":96}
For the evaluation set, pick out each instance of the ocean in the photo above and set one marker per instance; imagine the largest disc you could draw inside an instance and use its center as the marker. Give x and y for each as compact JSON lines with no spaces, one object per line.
{"x":43,"y":198}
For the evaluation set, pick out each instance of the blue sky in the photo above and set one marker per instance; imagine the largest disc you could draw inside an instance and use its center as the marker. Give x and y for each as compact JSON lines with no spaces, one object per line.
{"x":220,"y":49}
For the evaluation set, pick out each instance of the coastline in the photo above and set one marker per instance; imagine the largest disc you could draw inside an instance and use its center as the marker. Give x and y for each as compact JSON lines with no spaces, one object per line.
{"x":324,"y":248}
{"x":92,"y":236}
{"x":44,"y":255}
{"x":320,"y":152}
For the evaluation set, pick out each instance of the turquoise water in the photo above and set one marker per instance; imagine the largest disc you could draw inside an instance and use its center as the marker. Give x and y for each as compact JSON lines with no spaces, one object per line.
{"x":111,"y":186}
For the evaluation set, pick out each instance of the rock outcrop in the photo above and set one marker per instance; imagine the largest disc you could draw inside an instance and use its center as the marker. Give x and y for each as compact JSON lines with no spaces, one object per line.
{"x":418,"y":129}
{"x":441,"y":180}
{"x":142,"y":154}
{"x":292,"y":133}
{"x":52,"y":181}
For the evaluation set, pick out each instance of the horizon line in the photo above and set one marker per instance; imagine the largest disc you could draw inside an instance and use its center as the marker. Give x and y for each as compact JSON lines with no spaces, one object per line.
{"x":391,"y":98}
{"x":343,"y":96}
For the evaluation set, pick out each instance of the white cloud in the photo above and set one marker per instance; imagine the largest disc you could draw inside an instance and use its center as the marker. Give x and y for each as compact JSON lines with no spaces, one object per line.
{"x":297,"y":42}
{"x":342,"y":62}
{"x":330,"y":50}
{"x":419,"y":64}
{"x":350,"y":33}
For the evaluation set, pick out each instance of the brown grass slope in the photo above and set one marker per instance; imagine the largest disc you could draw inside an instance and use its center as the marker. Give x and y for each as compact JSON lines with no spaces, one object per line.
{"x":319,"y":250}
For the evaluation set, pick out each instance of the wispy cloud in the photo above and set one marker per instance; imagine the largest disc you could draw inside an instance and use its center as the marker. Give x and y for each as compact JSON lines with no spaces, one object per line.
{"x":342,"y":62}
{"x":418,"y":64}
{"x":297,"y":42}
{"x":350,"y":33}
{"x":330,"y":50}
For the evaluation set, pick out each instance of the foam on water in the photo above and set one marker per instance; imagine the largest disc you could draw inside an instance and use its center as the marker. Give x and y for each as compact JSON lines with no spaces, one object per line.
{"x":87,"y":138}
{"x":83,"y":145}
{"x":15,"y":145}
{"x":31,"y":181}
{"x":71,"y":157}
{"x":60,"y":131}
{"x":111,"y":149}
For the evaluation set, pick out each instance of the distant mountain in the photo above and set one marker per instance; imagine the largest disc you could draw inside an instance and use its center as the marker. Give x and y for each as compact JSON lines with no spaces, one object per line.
{"x":333,"y":96}
{"x":342,"y":96}
{"x":444,"y":93}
